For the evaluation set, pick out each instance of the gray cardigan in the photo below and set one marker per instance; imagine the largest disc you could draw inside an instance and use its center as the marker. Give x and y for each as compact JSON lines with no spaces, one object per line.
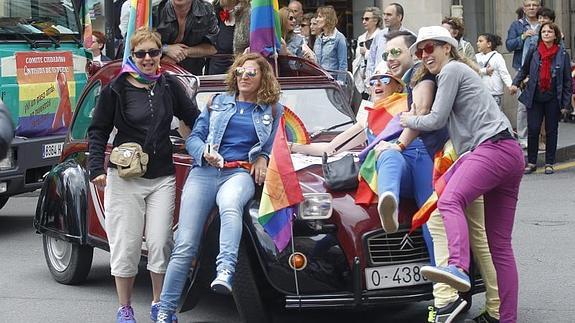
{"x":464,"y":104}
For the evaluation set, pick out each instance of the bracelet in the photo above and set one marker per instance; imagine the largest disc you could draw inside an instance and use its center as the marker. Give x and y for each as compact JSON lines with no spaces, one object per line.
{"x":400,"y":144}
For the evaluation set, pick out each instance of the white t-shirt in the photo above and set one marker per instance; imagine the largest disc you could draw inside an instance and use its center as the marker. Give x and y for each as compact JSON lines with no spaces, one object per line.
{"x":500,"y":76}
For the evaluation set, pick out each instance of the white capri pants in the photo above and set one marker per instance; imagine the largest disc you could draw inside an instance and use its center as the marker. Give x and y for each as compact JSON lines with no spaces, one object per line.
{"x":135,"y":207}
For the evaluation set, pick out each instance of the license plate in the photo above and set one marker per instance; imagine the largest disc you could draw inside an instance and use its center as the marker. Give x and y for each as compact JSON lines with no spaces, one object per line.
{"x":394,"y":276}
{"x":52,"y":150}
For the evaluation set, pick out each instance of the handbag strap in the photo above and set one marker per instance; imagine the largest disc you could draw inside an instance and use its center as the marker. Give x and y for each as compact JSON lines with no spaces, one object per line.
{"x":348,"y":140}
{"x":487,"y":61}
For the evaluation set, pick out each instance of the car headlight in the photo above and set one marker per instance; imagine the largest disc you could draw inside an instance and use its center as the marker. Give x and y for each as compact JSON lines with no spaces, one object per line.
{"x":8,"y":162}
{"x":315,"y":206}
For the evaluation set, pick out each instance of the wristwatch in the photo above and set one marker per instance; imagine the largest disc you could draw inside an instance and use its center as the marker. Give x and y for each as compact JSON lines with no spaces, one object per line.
{"x":400,"y":144}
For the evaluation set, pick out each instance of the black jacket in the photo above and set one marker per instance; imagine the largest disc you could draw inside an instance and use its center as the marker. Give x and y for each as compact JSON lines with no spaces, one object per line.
{"x":6,"y":130}
{"x":171,"y":99}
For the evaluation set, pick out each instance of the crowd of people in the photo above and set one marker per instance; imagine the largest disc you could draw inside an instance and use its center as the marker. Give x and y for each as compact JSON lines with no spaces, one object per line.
{"x":452,"y":96}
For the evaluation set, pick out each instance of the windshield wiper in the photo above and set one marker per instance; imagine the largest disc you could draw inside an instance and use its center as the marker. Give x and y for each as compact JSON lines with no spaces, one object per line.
{"x":319,"y":132}
{"x":35,"y":44}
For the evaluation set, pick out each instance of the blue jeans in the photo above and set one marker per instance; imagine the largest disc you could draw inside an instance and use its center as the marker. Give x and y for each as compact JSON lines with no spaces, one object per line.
{"x":408,"y":174}
{"x":206,"y":187}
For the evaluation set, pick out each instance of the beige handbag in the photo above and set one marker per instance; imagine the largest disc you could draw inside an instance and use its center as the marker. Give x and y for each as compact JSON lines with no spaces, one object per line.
{"x":130,"y":160}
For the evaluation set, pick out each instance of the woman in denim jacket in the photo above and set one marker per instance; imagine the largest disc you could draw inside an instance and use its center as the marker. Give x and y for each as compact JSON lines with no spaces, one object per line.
{"x":548,"y":91}
{"x":231,"y":141}
{"x":330,"y":47}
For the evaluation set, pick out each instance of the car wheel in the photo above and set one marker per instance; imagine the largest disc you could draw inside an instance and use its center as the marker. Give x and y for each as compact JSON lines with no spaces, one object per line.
{"x":69,"y":263}
{"x":246,"y":293}
{"x":3,"y":201}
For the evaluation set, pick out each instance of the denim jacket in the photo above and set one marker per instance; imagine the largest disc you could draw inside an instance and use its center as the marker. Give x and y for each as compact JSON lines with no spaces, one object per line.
{"x":331,"y":52}
{"x":514,"y":43}
{"x":560,"y":71}
{"x":213,"y":121}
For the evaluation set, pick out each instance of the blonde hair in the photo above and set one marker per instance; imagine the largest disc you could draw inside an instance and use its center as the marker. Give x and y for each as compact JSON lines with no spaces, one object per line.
{"x":330,"y":18}
{"x":145,"y":34}
{"x":284,"y":21}
{"x":269,"y":91}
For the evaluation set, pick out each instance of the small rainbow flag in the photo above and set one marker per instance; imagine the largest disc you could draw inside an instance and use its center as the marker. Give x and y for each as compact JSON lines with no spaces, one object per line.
{"x":281,"y":192}
{"x":265,"y":29}
{"x":295,"y":129}
{"x":140,"y":16}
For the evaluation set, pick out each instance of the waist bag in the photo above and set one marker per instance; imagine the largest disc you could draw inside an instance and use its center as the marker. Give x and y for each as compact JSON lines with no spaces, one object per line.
{"x":130,"y":160}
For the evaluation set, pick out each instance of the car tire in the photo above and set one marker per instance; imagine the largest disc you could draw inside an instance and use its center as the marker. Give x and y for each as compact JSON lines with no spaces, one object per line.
{"x":247,"y":296}
{"x":69,"y":263}
{"x":3,"y":201}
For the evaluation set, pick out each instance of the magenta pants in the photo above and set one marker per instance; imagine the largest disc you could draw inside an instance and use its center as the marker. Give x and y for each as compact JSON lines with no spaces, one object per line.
{"x":494,"y":170}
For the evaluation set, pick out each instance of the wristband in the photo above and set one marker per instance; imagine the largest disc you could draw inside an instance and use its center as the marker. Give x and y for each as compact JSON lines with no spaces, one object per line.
{"x":164,"y":48}
{"x":400,"y":144}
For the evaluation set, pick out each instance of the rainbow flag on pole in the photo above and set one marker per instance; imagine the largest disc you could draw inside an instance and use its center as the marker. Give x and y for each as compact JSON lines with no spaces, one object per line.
{"x":140,"y":16}
{"x":265,"y":29}
{"x":87,"y":27}
{"x":281,"y":192}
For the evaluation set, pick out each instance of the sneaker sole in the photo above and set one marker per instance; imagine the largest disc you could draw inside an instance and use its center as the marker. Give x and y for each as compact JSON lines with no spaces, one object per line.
{"x":387,"y":210}
{"x":221,"y":288}
{"x":440,"y":276}
{"x":455,"y":312}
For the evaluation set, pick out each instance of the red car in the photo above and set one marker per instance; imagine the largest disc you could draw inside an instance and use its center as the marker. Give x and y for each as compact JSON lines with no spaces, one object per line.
{"x":339,"y":256}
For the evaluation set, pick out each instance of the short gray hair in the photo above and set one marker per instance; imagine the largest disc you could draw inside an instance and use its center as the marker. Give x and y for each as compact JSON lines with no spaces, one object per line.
{"x":376,"y":13}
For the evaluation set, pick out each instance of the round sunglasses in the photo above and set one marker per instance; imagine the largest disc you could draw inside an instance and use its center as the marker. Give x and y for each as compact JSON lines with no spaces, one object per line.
{"x":379,"y":78}
{"x":394,"y":52}
{"x":428,"y":49}
{"x":151,"y":52}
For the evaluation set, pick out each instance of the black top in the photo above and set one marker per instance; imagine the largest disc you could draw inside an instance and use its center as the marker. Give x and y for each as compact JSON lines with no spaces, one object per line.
{"x":201,"y":27}
{"x":225,"y":45}
{"x":140,"y":116}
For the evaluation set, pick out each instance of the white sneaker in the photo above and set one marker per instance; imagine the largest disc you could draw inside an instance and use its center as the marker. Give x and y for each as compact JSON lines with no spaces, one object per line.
{"x":387,"y":209}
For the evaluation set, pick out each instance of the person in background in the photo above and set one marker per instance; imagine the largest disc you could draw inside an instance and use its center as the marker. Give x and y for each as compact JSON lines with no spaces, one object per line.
{"x":330,"y":46}
{"x":292,"y":43}
{"x":547,"y":93}
{"x":189,"y":29}
{"x":392,"y":20}
{"x":242,"y":31}
{"x":314,"y":30}
{"x":456,"y":28}
{"x":492,"y":69}
{"x":224,"y":42}
{"x":519,"y":30}
{"x":372,"y":22}
{"x":230,"y":143}
{"x":492,"y":166}
{"x":544,"y":15}
{"x":140,"y":106}
{"x":98,"y":43}
{"x":297,"y":9}
{"x":306,"y":29}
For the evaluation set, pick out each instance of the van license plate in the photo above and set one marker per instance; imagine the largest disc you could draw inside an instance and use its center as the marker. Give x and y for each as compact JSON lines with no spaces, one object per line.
{"x":394,"y":276}
{"x":52,"y":150}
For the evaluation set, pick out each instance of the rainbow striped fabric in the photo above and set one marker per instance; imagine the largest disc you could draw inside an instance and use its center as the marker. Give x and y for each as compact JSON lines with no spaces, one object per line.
{"x":265,"y":30}
{"x":281,"y":192}
{"x":295,"y":129}
{"x":140,"y":16}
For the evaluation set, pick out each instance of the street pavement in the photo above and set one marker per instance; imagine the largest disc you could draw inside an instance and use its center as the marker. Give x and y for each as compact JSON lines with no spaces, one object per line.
{"x":543,"y":240}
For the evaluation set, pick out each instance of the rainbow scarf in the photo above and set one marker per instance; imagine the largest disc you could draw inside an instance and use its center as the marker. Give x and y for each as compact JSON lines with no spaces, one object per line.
{"x":281,"y":192}
{"x":295,"y":129}
{"x":265,"y":29}
{"x":445,"y":163}
{"x":132,"y":69}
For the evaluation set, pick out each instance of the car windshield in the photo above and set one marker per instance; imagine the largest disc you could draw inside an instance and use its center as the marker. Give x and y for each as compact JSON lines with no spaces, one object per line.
{"x":319,"y":108}
{"x":25,"y":18}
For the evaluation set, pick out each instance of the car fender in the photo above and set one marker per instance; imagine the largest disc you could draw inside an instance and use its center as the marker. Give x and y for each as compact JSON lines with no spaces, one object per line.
{"x":63,"y":203}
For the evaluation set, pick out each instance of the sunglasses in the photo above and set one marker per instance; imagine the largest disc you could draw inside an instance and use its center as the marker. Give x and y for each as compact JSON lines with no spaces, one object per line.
{"x":379,"y":78}
{"x":250,"y":72}
{"x":366,"y":18}
{"x":292,"y":18}
{"x":429,"y":48}
{"x":151,"y":52}
{"x":394,"y":52}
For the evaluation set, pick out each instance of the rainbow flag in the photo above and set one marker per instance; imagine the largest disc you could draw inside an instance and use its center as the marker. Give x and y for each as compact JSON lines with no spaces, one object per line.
{"x":295,"y":129}
{"x":281,"y":192}
{"x":384,"y":110}
{"x":265,"y":29}
{"x":140,"y":16}
{"x":445,"y":163}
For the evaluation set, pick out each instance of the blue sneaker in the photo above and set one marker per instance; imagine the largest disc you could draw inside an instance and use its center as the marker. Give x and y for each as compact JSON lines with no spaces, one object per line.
{"x":223,"y":282}
{"x":450,"y":275}
{"x":125,"y":315}
{"x":155,"y":309}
